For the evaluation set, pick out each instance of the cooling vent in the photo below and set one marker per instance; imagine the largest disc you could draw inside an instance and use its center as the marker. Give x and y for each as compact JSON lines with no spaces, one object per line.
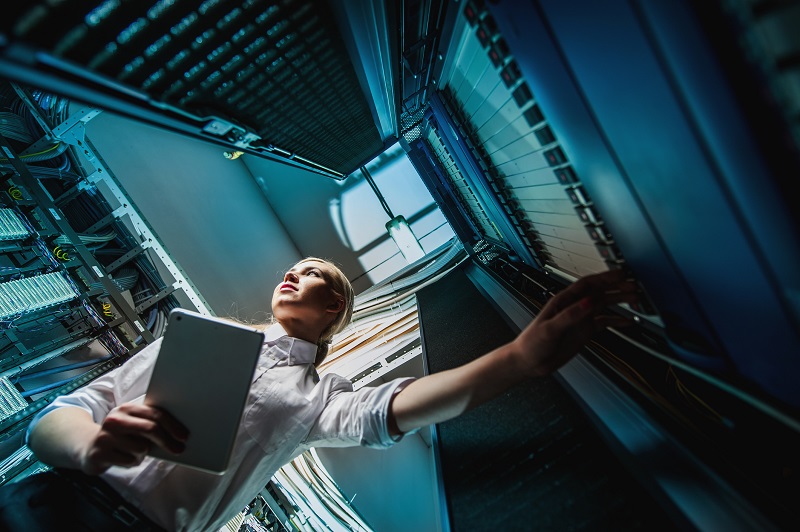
{"x":278,"y":69}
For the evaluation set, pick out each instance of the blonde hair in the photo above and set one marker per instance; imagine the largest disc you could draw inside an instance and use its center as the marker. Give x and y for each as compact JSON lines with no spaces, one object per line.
{"x":342,"y":288}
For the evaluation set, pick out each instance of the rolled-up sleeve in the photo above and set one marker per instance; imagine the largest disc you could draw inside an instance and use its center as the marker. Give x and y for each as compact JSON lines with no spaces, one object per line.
{"x":351,"y":418}
{"x":124,"y":384}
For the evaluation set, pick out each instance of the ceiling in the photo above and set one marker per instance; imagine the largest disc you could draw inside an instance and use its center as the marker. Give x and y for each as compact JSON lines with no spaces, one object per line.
{"x":326,"y":86}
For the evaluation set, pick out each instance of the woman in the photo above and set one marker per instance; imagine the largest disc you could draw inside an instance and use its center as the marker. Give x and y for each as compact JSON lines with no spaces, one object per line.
{"x":104,"y":429}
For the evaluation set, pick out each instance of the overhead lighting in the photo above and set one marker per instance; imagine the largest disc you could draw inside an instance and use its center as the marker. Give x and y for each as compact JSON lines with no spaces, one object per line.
{"x":405,"y":239}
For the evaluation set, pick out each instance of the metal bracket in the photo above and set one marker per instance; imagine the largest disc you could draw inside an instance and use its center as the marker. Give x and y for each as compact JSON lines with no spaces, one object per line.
{"x":127,"y":257}
{"x":150,"y":301}
{"x":230,"y":132}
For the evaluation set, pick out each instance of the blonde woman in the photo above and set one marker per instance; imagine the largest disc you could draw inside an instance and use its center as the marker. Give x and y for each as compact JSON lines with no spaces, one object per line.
{"x":98,"y":437}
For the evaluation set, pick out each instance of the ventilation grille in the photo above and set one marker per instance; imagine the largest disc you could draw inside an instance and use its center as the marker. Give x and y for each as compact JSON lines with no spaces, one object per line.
{"x":280,"y":69}
{"x":412,"y":124}
{"x":509,"y":135}
{"x":11,"y":401}
{"x":11,"y":227}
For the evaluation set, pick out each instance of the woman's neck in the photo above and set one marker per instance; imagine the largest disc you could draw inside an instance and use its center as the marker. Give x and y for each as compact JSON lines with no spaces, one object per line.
{"x":303,"y":331}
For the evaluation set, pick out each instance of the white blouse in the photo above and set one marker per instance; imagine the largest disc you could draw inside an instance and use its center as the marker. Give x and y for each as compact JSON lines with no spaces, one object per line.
{"x":289,"y":411}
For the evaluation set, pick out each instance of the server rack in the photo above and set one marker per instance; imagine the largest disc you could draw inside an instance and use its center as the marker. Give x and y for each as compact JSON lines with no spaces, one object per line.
{"x":569,"y":138}
{"x":85,"y":281}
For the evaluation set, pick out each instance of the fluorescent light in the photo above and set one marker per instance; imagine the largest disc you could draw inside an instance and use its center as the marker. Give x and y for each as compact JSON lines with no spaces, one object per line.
{"x":404,"y":237}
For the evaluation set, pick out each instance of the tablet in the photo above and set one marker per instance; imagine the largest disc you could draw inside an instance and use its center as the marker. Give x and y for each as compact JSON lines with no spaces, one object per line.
{"x":202,"y":377}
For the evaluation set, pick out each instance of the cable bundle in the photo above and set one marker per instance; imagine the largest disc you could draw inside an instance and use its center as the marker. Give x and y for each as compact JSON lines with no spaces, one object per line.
{"x":12,"y":126}
{"x":385,"y":317}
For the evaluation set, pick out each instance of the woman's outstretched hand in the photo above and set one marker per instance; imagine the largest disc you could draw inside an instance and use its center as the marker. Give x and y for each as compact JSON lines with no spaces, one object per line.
{"x":561,"y":328}
{"x":570,"y":318}
{"x":126,"y":436}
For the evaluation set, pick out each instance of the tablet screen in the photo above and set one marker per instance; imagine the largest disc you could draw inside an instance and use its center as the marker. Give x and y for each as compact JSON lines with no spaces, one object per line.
{"x":202,"y":377}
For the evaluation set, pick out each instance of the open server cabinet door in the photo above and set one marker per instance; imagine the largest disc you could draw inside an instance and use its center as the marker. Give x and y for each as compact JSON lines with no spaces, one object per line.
{"x":567,"y":138}
{"x":273,"y":79}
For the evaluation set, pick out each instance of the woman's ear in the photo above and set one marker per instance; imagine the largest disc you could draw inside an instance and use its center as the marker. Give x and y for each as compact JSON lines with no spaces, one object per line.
{"x":337,"y":306}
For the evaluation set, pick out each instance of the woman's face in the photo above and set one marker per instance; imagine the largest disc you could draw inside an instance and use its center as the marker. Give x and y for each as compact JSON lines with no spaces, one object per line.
{"x":306,"y":292}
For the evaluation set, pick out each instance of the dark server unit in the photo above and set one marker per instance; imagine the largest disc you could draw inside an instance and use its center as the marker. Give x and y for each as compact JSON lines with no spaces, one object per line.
{"x":560,"y":138}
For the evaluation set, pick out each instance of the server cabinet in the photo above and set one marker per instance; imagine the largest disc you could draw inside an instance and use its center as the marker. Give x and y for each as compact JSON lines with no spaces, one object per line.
{"x":570,"y":138}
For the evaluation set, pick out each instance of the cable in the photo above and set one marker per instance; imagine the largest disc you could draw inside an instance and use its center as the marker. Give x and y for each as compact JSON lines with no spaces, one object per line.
{"x":87,"y":239}
{"x":46,"y":387}
{"x":12,"y":126}
{"x":151,"y":321}
{"x":47,"y":172}
{"x":38,"y":156}
{"x":377,"y":192}
{"x":719,"y":383}
{"x":693,"y":399}
{"x":61,"y":369}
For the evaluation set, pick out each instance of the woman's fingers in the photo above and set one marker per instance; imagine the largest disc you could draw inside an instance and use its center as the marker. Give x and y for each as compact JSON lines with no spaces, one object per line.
{"x":127,"y":435}
{"x":570,"y":318}
{"x":590,"y":294}
{"x":171,"y":426}
{"x":153,"y":424}
{"x":110,"y":449}
{"x":120,"y":450}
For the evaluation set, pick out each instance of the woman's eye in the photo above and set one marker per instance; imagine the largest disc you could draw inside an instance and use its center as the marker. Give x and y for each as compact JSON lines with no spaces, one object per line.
{"x":314,"y":273}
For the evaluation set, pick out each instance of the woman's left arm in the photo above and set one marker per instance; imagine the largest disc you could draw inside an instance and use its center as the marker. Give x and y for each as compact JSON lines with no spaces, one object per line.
{"x":562,"y":327}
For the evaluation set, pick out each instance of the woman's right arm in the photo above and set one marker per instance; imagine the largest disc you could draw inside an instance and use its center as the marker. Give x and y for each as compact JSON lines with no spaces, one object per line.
{"x":104,"y":423}
{"x":69,"y":437}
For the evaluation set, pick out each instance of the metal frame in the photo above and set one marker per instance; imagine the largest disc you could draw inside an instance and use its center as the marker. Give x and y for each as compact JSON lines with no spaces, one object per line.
{"x":51,"y":211}
{"x":38,"y":69}
{"x":73,"y":132}
{"x":472,"y":172}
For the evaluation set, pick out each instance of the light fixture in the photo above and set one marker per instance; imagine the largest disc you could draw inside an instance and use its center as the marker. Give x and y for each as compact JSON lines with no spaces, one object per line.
{"x":405,"y":239}
{"x":397,"y":227}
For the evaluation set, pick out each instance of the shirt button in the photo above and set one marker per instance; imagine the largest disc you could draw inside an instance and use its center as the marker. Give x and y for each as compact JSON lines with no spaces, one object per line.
{"x":161,"y":465}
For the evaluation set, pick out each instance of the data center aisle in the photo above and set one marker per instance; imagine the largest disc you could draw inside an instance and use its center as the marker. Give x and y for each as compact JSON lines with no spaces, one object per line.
{"x":529,"y":460}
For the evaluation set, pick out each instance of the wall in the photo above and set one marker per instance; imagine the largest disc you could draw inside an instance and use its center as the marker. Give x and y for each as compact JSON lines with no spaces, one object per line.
{"x":302,"y":201}
{"x":208,"y":211}
{"x":396,"y":489}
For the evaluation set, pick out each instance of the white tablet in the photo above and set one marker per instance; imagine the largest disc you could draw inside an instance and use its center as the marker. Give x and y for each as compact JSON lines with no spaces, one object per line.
{"x":202,"y":377}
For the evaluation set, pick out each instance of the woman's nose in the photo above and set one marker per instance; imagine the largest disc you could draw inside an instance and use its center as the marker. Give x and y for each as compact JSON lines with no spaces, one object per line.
{"x":290,"y":277}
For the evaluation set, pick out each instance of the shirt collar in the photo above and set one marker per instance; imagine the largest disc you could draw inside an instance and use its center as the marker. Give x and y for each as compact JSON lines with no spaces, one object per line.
{"x":294,"y":350}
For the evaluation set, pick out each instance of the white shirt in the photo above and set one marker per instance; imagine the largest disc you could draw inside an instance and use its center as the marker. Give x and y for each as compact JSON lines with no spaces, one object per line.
{"x":287,"y":413}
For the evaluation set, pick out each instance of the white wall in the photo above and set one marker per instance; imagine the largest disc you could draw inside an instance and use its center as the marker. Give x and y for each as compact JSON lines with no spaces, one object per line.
{"x":208,"y":211}
{"x":394,"y":490}
{"x":302,"y":201}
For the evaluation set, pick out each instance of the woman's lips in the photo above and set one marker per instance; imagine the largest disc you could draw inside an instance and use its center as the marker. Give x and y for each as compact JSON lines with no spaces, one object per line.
{"x":287,"y":286}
